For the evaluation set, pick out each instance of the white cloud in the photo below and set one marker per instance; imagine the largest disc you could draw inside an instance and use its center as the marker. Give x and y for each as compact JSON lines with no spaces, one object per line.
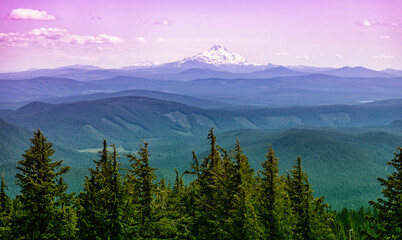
{"x":160,"y":40}
{"x":30,"y":14}
{"x":141,"y":40}
{"x":372,"y":23}
{"x":53,"y":36}
{"x":303,"y":57}
{"x":367,"y":23}
{"x":338,"y":55}
{"x":385,"y":36}
{"x":382,"y":56}
{"x":100,"y":39}
{"x":281,"y":54}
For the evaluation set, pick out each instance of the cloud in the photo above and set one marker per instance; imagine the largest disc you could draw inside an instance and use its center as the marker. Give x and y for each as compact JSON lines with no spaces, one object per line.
{"x":160,"y":40}
{"x":96,"y":18}
{"x":371,"y":23}
{"x":382,"y":56}
{"x":367,"y":23}
{"x":338,"y":55}
{"x":100,"y":39}
{"x":159,"y":21}
{"x":303,"y":57}
{"x":385,"y":36}
{"x":281,"y":54}
{"x":53,"y":37}
{"x":29,"y":14}
{"x":141,"y":40}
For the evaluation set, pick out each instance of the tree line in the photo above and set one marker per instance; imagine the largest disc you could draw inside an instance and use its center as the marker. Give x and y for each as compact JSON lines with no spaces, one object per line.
{"x":226,"y":199}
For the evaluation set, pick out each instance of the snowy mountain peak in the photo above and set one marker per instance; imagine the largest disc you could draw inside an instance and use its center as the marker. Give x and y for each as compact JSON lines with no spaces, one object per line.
{"x":218,"y":55}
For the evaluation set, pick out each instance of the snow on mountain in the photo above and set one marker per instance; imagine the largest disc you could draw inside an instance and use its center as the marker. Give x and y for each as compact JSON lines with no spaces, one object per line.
{"x":217,"y":56}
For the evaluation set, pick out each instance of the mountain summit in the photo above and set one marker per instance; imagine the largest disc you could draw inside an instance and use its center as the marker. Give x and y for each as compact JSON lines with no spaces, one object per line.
{"x":218,"y":55}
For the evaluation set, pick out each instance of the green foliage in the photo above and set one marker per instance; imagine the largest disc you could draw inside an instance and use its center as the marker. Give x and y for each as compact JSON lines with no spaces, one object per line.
{"x":353,"y":222}
{"x":275,"y":215}
{"x":390,"y":207}
{"x":5,"y":211}
{"x":242,"y":214}
{"x":223,"y":200}
{"x":101,"y":204}
{"x":141,"y":178}
{"x":43,"y":198}
{"x":312,"y":221}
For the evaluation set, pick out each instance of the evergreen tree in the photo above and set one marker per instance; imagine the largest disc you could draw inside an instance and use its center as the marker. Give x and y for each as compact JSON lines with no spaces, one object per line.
{"x":275,"y":203}
{"x":142,"y":178}
{"x":210,"y":214}
{"x":100,"y":210}
{"x":390,"y":207}
{"x":187,"y":203}
{"x":312,"y":220}
{"x":40,"y":179}
{"x":242,"y":215}
{"x":299,"y":193}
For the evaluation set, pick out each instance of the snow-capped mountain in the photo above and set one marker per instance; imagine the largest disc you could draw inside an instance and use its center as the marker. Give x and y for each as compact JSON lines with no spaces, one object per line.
{"x":216,"y":58}
{"x":218,"y":55}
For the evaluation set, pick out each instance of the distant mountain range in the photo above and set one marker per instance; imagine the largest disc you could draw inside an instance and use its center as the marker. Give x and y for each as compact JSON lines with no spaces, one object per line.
{"x":228,"y":90}
{"x":223,"y":62}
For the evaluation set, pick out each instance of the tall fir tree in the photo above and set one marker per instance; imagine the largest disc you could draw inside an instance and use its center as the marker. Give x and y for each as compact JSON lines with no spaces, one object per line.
{"x":40,"y":180}
{"x":275,"y":211}
{"x":101,"y":202}
{"x":210,"y":207}
{"x":142,"y":179}
{"x":312,"y":220}
{"x":187,"y":202}
{"x":390,"y":206}
{"x":242,"y":214}
{"x":299,"y":193}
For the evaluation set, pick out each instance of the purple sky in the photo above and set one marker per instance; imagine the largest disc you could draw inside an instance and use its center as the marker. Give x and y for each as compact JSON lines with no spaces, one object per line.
{"x":49,"y":33}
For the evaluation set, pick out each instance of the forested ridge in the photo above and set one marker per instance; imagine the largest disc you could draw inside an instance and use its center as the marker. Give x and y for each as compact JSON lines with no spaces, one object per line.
{"x":226,"y":199}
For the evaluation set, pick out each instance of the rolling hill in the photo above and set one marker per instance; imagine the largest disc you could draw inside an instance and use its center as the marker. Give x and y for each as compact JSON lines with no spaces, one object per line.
{"x":130,"y":118}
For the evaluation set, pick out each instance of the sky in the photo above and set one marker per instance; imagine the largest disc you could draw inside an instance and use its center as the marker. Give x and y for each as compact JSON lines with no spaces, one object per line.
{"x":118,"y":33}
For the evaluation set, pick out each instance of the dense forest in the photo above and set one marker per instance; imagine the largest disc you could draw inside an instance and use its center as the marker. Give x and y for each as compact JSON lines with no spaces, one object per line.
{"x":225,"y":199}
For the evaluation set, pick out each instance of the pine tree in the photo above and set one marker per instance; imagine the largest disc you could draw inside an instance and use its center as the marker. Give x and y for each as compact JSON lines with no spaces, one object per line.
{"x":312,"y":220}
{"x":40,"y":180}
{"x":101,"y":203}
{"x":142,"y":178}
{"x":187,"y":203}
{"x":242,"y":215}
{"x":210,"y":215}
{"x":66,"y":224}
{"x":298,"y":193}
{"x":275,"y":203}
{"x":390,"y":207}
